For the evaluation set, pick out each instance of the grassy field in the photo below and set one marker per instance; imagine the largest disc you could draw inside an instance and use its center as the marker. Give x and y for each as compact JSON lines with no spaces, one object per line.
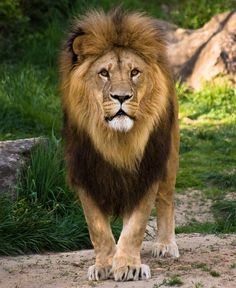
{"x":46,"y":215}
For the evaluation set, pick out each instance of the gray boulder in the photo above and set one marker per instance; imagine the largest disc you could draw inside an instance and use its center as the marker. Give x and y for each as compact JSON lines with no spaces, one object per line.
{"x":13,"y":155}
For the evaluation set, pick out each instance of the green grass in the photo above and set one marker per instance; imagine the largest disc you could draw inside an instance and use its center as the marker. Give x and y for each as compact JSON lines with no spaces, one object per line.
{"x":30,"y":228}
{"x":26,"y":25}
{"x":208,"y":139}
{"x":224,"y":212}
{"x":202,"y":266}
{"x":29,"y":102}
{"x":174,"y":280}
{"x":205,"y":268}
{"x":214,"y":273}
{"x":208,"y":152}
{"x":46,"y":216}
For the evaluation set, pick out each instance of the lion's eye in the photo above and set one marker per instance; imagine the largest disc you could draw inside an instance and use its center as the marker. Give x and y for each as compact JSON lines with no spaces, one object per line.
{"x":104,"y":73}
{"x":134,"y":72}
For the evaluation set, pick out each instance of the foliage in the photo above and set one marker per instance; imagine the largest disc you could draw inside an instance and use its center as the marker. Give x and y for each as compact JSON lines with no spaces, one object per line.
{"x":208,"y":139}
{"x":208,"y":151}
{"x":28,"y":20}
{"x":28,"y":228}
{"x":214,"y":273}
{"x":29,"y":105}
{"x":11,"y":16}
{"x":225,"y":213}
{"x":174,"y":280}
{"x":194,"y":14}
{"x":211,"y":103}
{"x":46,"y":215}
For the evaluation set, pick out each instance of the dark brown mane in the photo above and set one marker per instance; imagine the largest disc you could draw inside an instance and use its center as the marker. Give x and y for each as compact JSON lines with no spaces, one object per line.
{"x":115,"y":190}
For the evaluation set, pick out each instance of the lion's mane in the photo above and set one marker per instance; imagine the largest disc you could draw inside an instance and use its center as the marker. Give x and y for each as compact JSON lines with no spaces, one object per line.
{"x":116,"y":169}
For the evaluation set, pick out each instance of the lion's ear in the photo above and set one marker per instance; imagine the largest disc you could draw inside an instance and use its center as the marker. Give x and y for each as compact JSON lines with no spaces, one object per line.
{"x":77,"y":45}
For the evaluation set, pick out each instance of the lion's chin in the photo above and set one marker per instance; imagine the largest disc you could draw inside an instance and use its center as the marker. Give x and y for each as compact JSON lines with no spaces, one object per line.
{"x":121,"y":123}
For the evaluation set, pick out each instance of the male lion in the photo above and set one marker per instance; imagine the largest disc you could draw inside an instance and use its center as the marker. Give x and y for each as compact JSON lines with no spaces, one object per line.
{"x":121,"y":134}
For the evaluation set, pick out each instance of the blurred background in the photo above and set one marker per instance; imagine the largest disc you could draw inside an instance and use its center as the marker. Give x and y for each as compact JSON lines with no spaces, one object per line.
{"x":44,"y":214}
{"x":31,"y":33}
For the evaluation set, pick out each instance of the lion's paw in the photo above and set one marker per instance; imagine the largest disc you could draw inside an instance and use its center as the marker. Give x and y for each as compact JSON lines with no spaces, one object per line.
{"x":99,"y":273}
{"x":129,"y":273}
{"x":165,"y":250}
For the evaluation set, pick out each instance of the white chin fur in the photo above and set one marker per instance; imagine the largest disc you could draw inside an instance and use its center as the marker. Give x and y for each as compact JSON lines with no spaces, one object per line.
{"x":121,"y":123}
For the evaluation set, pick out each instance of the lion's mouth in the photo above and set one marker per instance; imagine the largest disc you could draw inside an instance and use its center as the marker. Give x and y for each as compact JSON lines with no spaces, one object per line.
{"x":120,"y":113}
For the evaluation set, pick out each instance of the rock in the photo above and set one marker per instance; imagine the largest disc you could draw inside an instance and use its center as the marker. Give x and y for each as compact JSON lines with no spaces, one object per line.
{"x":205,"y":54}
{"x":13,"y":155}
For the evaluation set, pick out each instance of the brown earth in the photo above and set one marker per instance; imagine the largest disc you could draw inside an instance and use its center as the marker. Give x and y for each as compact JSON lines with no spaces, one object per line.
{"x":202,"y":259}
{"x":190,"y":206}
{"x":201,"y":256}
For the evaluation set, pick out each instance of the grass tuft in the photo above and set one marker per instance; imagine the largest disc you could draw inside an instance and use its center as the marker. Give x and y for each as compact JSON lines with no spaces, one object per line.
{"x":198,"y":285}
{"x":214,"y":273}
{"x":225,"y":214}
{"x":46,"y":215}
{"x":174,"y":280}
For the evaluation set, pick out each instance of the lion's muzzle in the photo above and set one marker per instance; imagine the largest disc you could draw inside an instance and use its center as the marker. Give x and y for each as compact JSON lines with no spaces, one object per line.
{"x":121,"y":121}
{"x":121,"y":98}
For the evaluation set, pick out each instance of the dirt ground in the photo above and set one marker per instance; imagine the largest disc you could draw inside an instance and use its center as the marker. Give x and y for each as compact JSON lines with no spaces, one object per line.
{"x":190,"y":206}
{"x":205,"y":260}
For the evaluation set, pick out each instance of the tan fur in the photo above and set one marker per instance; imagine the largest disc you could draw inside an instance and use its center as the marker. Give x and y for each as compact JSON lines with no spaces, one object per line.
{"x":79,"y":95}
{"x":87,"y":102}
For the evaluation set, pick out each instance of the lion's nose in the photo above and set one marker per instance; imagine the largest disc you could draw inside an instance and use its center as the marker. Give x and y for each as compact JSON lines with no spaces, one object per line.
{"x":121,"y":98}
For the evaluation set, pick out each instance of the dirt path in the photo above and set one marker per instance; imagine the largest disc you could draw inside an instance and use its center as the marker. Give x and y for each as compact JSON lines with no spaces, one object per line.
{"x":190,"y":206}
{"x":206,"y":261}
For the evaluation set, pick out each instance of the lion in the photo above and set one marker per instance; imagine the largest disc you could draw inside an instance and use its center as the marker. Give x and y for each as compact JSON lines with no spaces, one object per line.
{"x":121,"y":136}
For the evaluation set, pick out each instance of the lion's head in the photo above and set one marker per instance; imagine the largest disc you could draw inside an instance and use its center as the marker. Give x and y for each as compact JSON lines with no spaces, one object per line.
{"x":119,"y":82}
{"x":115,"y":81}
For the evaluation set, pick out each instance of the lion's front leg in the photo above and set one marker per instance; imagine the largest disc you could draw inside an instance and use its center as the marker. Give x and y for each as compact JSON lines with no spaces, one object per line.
{"x":101,"y":237}
{"x":127,"y":262}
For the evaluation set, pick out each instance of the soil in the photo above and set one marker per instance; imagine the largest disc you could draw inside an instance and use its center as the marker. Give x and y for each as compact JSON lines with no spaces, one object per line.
{"x":205,"y":260}
{"x":190,"y":206}
{"x":201,"y":256}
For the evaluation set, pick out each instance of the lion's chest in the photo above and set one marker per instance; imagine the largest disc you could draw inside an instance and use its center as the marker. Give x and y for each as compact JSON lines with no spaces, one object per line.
{"x":115,"y":190}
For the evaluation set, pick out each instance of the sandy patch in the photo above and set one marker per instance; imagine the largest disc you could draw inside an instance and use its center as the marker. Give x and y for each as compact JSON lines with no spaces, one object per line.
{"x":200,"y":255}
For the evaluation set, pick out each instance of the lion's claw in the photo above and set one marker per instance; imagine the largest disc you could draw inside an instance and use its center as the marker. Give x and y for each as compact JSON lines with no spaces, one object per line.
{"x":99,"y":273}
{"x":129,"y":273}
{"x":165,"y":250}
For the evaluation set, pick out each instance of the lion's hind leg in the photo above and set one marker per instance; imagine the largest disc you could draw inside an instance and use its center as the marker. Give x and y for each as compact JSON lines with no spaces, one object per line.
{"x":101,"y":237}
{"x":165,"y":244}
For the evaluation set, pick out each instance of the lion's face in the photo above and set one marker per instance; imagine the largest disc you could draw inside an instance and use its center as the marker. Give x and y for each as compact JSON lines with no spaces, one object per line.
{"x":116,"y":83}
{"x":118,"y":80}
